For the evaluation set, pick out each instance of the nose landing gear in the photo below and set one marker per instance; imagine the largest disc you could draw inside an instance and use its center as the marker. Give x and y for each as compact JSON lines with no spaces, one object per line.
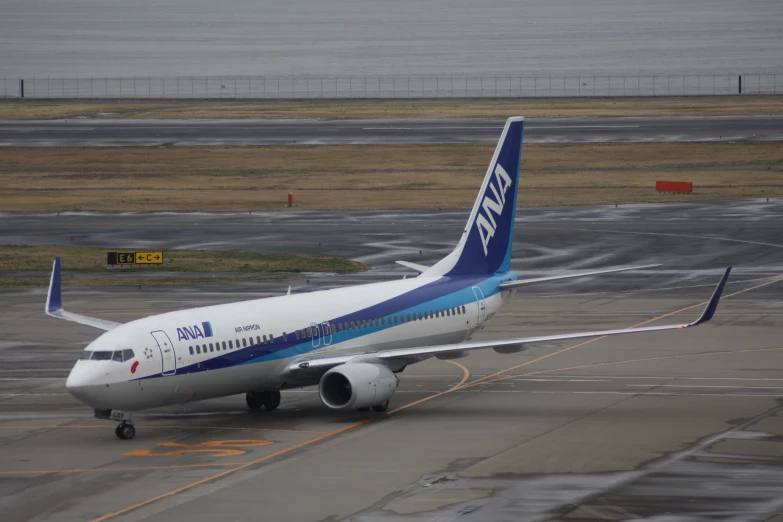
{"x":125,"y":431}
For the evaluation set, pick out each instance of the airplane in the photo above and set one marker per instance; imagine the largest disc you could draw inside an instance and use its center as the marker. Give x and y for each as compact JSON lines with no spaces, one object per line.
{"x":351,"y":342}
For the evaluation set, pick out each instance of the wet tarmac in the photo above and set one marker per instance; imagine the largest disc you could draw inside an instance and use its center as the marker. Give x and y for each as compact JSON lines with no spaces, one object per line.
{"x":682,"y":425}
{"x":79,"y":132}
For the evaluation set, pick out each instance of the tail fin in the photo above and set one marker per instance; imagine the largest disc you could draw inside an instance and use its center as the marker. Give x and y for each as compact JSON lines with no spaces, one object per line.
{"x":485,"y":247}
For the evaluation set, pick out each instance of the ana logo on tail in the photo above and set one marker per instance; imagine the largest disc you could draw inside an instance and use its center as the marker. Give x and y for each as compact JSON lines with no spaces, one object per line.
{"x":486,"y":221}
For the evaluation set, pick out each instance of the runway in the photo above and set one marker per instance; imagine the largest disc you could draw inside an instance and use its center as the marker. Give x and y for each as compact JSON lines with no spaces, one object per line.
{"x":668,"y":426}
{"x":157,"y":133}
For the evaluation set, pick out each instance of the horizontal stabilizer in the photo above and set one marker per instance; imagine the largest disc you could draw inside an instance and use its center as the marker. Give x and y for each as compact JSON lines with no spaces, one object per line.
{"x":415,"y":266}
{"x":54,"y":305}
{"x":522,"y":282}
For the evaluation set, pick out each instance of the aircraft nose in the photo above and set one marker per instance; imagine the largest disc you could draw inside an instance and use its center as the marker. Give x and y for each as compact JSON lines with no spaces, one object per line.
{"x":80,"y":384}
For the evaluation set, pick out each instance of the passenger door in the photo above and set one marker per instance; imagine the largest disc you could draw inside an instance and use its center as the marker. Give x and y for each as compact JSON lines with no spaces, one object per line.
{"x":168,"y":357}
{"x":326,"y":334}
{"x":482,"y":308}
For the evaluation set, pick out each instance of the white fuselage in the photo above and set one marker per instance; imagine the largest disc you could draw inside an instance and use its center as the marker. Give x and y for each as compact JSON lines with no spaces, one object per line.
{"x":248,"y":346}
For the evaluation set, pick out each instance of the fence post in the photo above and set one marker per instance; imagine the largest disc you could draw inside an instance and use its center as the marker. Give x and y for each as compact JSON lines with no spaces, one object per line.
{"x":21,"y":87}
{"x":535,"y":86}
{"x":77,"y":87}
{"x":740,"y":83}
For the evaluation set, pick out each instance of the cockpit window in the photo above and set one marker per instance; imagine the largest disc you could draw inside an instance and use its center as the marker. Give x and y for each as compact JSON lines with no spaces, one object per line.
{"x":118,"y":355}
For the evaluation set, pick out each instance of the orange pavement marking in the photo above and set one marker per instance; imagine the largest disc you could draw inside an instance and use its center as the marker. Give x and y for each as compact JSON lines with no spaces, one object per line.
{"x":458,"y":386}
{"x":92,"y":470}
{"x":218,"y":448}
{"x":644,"y":359}
{"x":232,"y":470}
{"x":103,"y":426}
{"x":486,"y":378}
{"x":465,"y":376}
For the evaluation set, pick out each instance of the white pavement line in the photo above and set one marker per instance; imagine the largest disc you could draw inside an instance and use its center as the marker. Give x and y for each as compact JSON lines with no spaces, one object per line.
{"x":705,"y":386}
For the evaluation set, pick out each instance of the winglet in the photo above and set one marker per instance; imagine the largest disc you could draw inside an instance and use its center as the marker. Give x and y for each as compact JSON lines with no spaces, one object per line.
{"x":54,"y":300}
{"x":712,"y":305}
{"x":54,"y":304}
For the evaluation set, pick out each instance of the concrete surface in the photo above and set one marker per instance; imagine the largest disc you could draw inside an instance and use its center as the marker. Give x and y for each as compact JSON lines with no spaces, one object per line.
{"x":155,"y":133}
{"x":668,"y":426}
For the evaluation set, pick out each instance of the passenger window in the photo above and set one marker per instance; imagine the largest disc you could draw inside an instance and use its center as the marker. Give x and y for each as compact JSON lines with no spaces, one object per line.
{"x":448,"y":312}
{"x":191,"y":350}
{"x":296,"y":334}
{"x":285,"y":337}
{"x":244,"y":342}
{"x":224,"y":345}
{"x":230,"y":345}
{"x":271,"y":337}
{"x":211,"y":347}
{"x":396,"y":319}
{"x":264,"y":339}
{"x":458,"y":311}
{"x":198,"y":349}
{"x":409,"y":317}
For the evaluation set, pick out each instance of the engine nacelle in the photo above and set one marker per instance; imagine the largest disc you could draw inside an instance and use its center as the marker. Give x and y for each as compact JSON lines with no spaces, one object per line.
{"x":357,"y":385}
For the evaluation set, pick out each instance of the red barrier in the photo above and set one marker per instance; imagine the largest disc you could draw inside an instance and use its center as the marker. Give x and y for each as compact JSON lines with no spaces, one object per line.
{"x":290,"y":199}
{"x":674,"y":186}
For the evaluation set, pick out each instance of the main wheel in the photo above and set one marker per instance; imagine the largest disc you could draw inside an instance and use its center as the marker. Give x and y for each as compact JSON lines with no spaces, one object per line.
{"x":380,"y":408}
{"x":125,"y":431}
{"x":254,"y":401}
{"x":271,"y":400}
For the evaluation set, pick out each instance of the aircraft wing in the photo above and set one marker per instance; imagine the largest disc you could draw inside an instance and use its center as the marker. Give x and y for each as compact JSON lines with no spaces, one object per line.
{"x":54,"y":304}
{"x":399,"y":358}
{"x":522,"y":282}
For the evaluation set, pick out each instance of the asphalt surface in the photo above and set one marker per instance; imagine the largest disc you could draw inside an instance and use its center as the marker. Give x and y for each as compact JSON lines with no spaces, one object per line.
{"x":682,"y":425}
{"x":155,"y":133}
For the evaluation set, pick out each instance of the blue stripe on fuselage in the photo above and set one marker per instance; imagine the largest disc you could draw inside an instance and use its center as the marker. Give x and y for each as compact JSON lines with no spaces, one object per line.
{"x":447,"y":292}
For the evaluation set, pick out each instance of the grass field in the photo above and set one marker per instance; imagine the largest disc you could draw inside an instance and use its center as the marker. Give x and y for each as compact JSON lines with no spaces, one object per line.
{"x":374,"y":176}
{"x":369,"y":109}
{"x":87,"y":266}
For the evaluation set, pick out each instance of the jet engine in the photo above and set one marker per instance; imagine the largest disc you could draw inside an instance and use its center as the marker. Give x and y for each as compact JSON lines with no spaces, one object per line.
{"x":357,"y":385}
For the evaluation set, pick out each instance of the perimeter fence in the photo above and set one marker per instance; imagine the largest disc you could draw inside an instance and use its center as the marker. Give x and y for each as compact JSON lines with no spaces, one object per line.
{"x":376,"y":87}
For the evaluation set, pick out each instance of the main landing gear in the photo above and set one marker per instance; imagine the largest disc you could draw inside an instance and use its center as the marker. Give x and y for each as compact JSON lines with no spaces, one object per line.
{"x":269,"y":400}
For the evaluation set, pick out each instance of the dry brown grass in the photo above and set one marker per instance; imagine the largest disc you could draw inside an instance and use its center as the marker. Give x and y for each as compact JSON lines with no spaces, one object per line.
{"x":87,"y":266}
{"x":373,"y":176}
{"x":369,"y":109}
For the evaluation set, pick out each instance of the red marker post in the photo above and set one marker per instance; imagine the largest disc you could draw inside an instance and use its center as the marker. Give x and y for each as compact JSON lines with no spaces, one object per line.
{"x":290,"y":199}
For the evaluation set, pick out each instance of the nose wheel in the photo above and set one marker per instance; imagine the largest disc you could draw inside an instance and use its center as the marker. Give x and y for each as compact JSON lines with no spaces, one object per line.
{"x":125,"y":431}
